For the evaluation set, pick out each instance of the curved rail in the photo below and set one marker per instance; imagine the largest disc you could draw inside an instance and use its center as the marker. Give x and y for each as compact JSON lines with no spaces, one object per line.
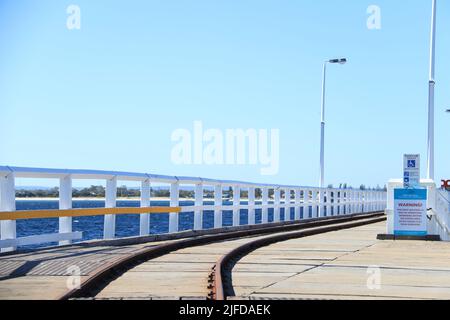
{"x":98,"y":280}
{"x":220,"y":277}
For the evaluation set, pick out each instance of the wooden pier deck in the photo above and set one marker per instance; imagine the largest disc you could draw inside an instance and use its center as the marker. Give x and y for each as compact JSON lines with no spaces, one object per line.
{"x":332,"y":265}
{"x":336,"y":265}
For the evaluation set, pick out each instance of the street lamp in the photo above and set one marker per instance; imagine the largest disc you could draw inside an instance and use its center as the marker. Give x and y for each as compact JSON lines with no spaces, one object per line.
{"x":322,"y":123}
{"x":431,"y":85}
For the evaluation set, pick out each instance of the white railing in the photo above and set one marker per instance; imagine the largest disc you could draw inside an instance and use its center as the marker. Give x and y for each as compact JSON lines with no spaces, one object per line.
{"x":441,"y":214}
{"x":320,"y":202}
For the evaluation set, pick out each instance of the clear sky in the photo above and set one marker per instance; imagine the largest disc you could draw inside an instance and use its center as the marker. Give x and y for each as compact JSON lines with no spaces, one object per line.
{"x":109,"y":96}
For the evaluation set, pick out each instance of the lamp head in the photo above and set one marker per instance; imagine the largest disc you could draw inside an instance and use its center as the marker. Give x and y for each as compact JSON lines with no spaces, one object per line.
{"x":340,"y":61}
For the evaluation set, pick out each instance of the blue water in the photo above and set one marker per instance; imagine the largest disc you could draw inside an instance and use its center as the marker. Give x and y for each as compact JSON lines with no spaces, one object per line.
{"x":126,"y":225}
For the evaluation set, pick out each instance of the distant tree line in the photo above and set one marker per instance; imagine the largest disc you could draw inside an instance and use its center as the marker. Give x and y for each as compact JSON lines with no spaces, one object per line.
{"x":125,"y":192}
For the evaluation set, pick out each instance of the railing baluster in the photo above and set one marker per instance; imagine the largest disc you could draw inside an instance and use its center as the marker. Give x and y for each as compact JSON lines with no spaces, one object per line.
{"x":361,"y":202}
{"x":218,"y":201}
{"x":265,"y":203}
{"x":198,"y":214}
{"x":287,"y":205}
{"x":277,"y":204}
{"x":306,"y":204}
{"x":251,"y":202}
{"x":109,"y":231}
{"x":236,"y":202}
{"x":298,"y":204}
{"x":65,"y":202}
{"x":348,"y":210}
{"x":174,"y":202}
{"x":144,"y":220}
{"x":8,"y":203}
{"x":321,"y":203}
{"x":314,"y":203}
{"x":330,"y":202}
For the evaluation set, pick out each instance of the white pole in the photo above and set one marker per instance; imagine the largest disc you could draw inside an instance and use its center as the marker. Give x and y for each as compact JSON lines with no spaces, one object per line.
{"x":174,"y":202}
{"x":144,"y":220}
{"x":8,"y":203}
{"x":65,"y":202}
{"x":432,"y":83}
{"x":236,"y":204}
{"x":315,"y":203}
{"x":322,"y":129}
{"x":198,"y":214}
{"x":218,"y":202}
{"x":298,"y":204}
{"x":306,"y":204}
{"x":109,"y":231}
{"x":251,"y":202}
{"x":287,"y":205}
{"x":265,"y":203}
{"x":276,"y":210}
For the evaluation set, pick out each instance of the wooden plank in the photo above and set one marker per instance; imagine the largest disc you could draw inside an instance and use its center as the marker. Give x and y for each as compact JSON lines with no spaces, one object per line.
{"x":408,"y":269}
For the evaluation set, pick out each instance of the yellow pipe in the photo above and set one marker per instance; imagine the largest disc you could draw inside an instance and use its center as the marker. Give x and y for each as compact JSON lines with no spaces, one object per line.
{"x":40,"y":214}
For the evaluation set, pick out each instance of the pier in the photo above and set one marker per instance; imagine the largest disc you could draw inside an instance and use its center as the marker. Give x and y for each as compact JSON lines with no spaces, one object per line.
{"x":297,"y":243}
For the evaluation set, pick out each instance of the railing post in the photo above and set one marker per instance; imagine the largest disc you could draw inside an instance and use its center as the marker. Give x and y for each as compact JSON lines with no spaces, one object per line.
{"x":353,"y":208}
{"x":348,"y":210}
{"x":276,"y":212}
{"x":380,"y":201}
{"x":287,"y":205}
{"x":8,"y":203}
{"x":251,"y":210}
{"x":365,"y":202}
{"x":236,"y":202}
{"x":315,"y":203}
{"x":357,"y":202}
{"x":65,"y":202}
{"x":321,"y":203}
{"x":144,"y":220}
{"x":265,"y":203}
{"x":218,"y":202}
{"x":198,"y":214}
{"x":298,"y":204}
{"x":306,"y":204}
{"x":174,"y":202}
{"x":361,"y":202}
{"x":330,"y":202}
{"x":109,"y":231}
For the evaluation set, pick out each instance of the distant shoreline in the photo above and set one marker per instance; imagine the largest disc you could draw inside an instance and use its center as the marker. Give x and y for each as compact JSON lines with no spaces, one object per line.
{"x":94,"y":199}
{"x":103,"y":199}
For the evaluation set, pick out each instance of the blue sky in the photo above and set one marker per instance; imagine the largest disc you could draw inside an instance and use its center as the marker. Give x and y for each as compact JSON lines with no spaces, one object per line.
{"x":110,"y":95}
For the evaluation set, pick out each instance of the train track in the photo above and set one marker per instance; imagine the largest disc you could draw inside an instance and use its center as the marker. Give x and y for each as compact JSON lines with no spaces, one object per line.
{"x":218,"y":285}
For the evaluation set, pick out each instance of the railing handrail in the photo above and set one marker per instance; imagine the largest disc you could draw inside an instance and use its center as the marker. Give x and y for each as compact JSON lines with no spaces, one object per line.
{"x":29,"y":172}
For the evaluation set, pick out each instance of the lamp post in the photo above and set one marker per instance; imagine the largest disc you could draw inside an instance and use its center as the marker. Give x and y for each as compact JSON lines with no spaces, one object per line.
{"x":431,"y":85}
{"x":322,"y":123}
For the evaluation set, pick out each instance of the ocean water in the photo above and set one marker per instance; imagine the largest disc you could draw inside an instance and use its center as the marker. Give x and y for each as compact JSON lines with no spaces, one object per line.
{"x":126,"y":225}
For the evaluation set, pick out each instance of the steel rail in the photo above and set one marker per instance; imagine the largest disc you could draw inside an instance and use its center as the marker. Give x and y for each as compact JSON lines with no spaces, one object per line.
{"x":220,"y":278}
{"x":101,"y":277}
